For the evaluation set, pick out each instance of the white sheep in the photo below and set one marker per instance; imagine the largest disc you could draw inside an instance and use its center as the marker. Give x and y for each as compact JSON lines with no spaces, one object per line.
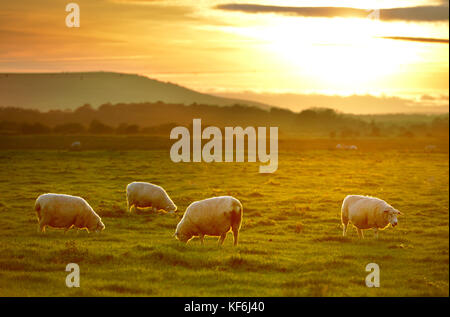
{"x":75,"y":146}
{"x":140,"y":194}
{"x":366,"y":212}
{"x":213,"y":216}
{"x":65,"y":211}
{"x":430,"y":148}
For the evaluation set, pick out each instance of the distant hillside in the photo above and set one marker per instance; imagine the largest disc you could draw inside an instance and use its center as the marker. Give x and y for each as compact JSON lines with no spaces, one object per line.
{"x":61,"y":91}
{"x":355,"y":104}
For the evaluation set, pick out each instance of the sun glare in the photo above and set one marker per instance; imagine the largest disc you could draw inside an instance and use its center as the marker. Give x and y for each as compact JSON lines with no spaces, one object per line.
{"x":347,"y":55}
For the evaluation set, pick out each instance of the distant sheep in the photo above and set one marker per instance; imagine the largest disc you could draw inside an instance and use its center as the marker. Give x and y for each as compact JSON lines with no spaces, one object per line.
{"x":213,"y":216}
{"x":430,"y":148}
{"x":346,"y":147}
{"x":65,"y":211}
{"x":140,"y":194}
{"x":75,"y":146}
{"x":366,"y":212}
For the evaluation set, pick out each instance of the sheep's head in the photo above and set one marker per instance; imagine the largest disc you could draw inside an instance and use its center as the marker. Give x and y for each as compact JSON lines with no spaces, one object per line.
{"x":171,"y":207}
{"x":98,"y":226}
{"x":391,"y":216}
{"x":182,"y":235}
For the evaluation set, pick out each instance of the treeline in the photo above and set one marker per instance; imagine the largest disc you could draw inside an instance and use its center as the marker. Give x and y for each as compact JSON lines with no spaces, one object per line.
{"x":159,"y":119}
{"x":95,"y":127}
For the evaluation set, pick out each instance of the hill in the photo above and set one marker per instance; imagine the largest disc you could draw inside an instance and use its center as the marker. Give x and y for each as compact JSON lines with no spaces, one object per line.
{"x":62,"y":91}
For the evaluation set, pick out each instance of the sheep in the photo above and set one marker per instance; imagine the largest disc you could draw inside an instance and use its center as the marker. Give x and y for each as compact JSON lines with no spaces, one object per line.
{"x":346,"y":147}
{"x":66,"y":211}
{"x":75,"y":146}
{"x":140,"y":194}
{"x":430,"y":148}
{"x":213,"y":216}
{"x":366,"y":212}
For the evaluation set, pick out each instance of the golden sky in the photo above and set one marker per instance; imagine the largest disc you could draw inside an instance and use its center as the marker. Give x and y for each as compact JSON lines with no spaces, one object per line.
{"x":230,"y":46}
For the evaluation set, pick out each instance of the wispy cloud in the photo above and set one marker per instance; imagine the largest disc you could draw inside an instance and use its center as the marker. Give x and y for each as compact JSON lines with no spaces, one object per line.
{"x":410,"y":14}
{"x":416,"y":39}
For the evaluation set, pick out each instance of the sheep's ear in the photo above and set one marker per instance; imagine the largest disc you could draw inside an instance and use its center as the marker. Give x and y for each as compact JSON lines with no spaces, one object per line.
{"x":386,"y":211}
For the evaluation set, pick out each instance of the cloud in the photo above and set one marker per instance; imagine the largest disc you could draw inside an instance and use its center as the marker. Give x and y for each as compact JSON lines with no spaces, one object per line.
{"x":411,"y":14}
{"x":416,"y":39}
{"x":416,"y":14}
{"x":139,"y":2}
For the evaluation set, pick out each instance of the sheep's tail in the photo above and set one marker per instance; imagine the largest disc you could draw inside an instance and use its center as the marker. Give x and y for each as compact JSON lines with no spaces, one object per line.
{"x":236,"y":216}
{"x":37,"y":208}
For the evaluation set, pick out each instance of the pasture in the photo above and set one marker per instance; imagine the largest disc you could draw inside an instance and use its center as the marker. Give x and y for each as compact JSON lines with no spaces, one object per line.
{"x":291,"y":240}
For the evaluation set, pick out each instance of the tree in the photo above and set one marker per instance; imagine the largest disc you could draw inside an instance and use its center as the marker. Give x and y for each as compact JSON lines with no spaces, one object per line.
{"x":34,"y":128}
{"x":374,"y":130}
{"x":97,"y":127}
{"x":69,"y":128}
{"x":125,"y":128}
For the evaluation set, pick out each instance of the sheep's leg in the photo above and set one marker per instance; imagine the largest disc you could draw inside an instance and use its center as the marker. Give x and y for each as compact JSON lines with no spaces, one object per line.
{"x":376,"y":232}
{"x":235,"y":236}
{"x":360,"y":233}
{"x":344,"y":220}
{"x":344,"y":229}
{"x":154,"y":209}
{"x":222,"y":237}
{"x":202,"y":236}
{"x":41,"y":226}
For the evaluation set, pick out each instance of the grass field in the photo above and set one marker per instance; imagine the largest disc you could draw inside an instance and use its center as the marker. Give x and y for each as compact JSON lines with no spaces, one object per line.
{"x":291,"y":240}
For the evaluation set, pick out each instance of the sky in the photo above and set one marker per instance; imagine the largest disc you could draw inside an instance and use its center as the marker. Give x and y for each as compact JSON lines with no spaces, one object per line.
{"x":246,"y":48}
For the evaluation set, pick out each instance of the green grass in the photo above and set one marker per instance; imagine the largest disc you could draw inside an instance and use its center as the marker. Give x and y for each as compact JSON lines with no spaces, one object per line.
{"x":290,"y":240}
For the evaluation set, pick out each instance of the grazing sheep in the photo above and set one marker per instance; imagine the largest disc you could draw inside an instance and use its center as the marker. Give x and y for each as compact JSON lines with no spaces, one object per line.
{"x":65,"y":211}
{"x":430,"y":148}
{"x":75,"y":146}
{"x":213,"y":216}
{"x":366,"y":212}
{"x":140,"y":194}
{"x":346,"y":147}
